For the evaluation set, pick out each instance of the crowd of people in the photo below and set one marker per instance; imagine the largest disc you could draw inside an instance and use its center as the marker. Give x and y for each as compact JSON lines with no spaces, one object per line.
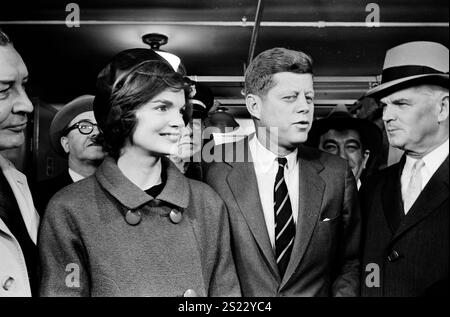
{"x":299,"y":208}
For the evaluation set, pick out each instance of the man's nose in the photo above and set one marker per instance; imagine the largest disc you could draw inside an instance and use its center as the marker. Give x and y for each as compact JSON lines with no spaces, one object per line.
{"x":22,"y":104}
{"x":388,"y":113}
{"x":302,"y":104}
{"x":342,"y":153}
{"x":95,"y":131}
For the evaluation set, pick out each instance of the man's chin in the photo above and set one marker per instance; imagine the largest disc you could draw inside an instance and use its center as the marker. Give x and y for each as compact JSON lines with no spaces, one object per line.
{"x":11,"y":142}
{"x":95,"y":154}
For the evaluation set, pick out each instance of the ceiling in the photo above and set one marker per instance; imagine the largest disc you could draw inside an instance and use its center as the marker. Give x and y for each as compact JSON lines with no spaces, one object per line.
{"x":213,"y":39}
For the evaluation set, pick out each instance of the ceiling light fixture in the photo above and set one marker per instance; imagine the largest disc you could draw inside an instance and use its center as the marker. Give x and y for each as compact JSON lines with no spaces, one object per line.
{"x":156,"y":40}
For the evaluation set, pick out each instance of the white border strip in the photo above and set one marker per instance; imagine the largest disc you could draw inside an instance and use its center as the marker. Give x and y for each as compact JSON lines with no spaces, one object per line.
{"x":318,"y":24}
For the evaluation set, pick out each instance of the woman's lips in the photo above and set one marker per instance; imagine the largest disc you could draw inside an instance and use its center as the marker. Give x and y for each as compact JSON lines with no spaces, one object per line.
{"x":174,"y":137}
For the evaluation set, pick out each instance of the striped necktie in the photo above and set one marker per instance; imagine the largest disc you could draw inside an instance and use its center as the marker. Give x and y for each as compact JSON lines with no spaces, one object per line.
{"x":284,"y":221}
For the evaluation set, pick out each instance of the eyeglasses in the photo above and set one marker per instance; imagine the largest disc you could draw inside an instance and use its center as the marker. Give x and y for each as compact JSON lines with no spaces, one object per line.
{"x":85,"y":127}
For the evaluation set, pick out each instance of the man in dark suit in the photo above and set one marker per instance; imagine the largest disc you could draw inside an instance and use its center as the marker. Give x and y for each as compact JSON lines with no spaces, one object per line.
{"x":293,"y":210}
{"x":405,"y":206}
{"x":73,"y":134}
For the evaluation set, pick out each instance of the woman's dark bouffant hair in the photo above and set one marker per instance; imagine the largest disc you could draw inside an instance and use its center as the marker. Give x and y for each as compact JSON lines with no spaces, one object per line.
{"x":133,"y":90}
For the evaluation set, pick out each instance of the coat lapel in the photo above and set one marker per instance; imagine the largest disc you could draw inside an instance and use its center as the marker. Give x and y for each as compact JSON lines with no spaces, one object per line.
{"x":311,"y":192}
{"x":19,"y":186}
{"x":392,"y":197}
{"x":432,"y":196}
{"x":243,"y":184}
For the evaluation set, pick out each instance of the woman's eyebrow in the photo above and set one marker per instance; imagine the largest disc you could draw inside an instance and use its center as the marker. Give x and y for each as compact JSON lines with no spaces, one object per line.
{"x":164,"y":101}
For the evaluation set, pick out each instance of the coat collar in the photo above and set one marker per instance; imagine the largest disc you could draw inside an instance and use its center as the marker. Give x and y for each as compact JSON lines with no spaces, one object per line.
{"x":19,"y":186}
{"x":392,"y":197}
{"x":175,"y":192}
{"x":312,"y":188}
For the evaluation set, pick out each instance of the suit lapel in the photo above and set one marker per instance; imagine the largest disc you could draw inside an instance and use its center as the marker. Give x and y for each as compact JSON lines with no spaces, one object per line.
{"x":243,"y":184}
{"x":392,"y":197}
{"x":19,"y":186}
{"x":432,"y":196}
{"x":311,"y":192}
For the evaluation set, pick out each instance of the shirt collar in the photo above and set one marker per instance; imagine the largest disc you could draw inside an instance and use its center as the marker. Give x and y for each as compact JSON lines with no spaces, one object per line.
{"x":264,"y":158}
{"x":75,"y":176}
{"x":432,"y":160}
{"x":435,"y":158}
{"x":176,"y":190}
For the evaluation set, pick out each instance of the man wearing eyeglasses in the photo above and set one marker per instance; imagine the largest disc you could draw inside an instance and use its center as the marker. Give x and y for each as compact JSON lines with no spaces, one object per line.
{"x":73,"y":134}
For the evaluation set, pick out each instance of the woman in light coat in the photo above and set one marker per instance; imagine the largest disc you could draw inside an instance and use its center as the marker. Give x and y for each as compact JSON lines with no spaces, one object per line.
{"x":138,"y":227}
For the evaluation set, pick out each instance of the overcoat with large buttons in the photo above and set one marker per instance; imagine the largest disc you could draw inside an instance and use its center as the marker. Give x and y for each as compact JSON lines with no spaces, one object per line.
{"x":13,"y":270}
{"x":405,"y":255}
{"x":103,"y":236}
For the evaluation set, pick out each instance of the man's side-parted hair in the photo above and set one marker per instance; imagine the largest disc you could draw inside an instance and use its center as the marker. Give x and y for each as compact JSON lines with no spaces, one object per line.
{"x":4,"y":39}
{"x":139,"y":86}
{"x":259,"y":74}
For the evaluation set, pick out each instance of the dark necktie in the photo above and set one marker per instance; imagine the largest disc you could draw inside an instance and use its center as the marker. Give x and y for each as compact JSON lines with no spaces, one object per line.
{"x":284,"y":221}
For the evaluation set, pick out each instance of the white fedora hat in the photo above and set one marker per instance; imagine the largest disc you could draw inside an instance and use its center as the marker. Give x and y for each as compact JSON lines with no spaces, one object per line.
{"x":412,"y":64}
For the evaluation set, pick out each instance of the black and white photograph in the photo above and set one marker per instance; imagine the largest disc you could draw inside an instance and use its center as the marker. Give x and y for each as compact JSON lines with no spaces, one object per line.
{"x":242,"y":150}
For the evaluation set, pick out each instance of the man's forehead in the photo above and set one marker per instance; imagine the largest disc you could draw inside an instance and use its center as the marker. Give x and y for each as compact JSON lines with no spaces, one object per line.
{"x":400,"y":94}
{"x":345,"y":134}
{"x":12,"y":66}
{"x":293,"y":81}
{"x":87,"y":115}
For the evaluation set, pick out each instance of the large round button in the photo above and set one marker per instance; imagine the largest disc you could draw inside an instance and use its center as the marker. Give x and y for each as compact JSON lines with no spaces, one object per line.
{"x":175,"y":216}
{"x":133,"y":217}
{"x":190,"y":293}
{"x":7,"y":283}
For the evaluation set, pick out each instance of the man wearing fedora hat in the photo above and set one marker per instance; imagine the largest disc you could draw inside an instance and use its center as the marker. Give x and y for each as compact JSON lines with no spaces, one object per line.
{"x":356,"y":140}
{"x":406,"y":247}
{"x":73,"y":134}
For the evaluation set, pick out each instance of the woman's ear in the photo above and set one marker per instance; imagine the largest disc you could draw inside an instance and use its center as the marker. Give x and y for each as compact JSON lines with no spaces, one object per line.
{"x":253,"y":104}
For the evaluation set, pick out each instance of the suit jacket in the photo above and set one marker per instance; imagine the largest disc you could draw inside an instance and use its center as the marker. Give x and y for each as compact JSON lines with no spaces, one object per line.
{"x":45,"y":190}
{"x":12,"y":261}
{"x":324,"y":259}
{"x":411,"y":251}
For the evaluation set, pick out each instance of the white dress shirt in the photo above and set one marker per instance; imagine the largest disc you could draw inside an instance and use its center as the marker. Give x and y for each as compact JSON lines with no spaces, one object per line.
{"x":432,"y":161}
{"x":266,"y":168}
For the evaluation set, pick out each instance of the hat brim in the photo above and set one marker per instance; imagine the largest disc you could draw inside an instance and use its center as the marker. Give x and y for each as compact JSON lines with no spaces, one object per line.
{"x":64,"y":116}
{"x":370,"y":134}
{"x":403,"y":83}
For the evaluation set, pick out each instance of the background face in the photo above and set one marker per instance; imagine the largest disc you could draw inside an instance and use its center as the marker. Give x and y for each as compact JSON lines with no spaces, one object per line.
{"x":185,"y":143}
{"x":411,"y":119}
{"x":347,"y":144}
{"x":14,"y":102}
{"x":159,"y":123}
{"x":82,"y":147}
{"x":289,"y":107}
